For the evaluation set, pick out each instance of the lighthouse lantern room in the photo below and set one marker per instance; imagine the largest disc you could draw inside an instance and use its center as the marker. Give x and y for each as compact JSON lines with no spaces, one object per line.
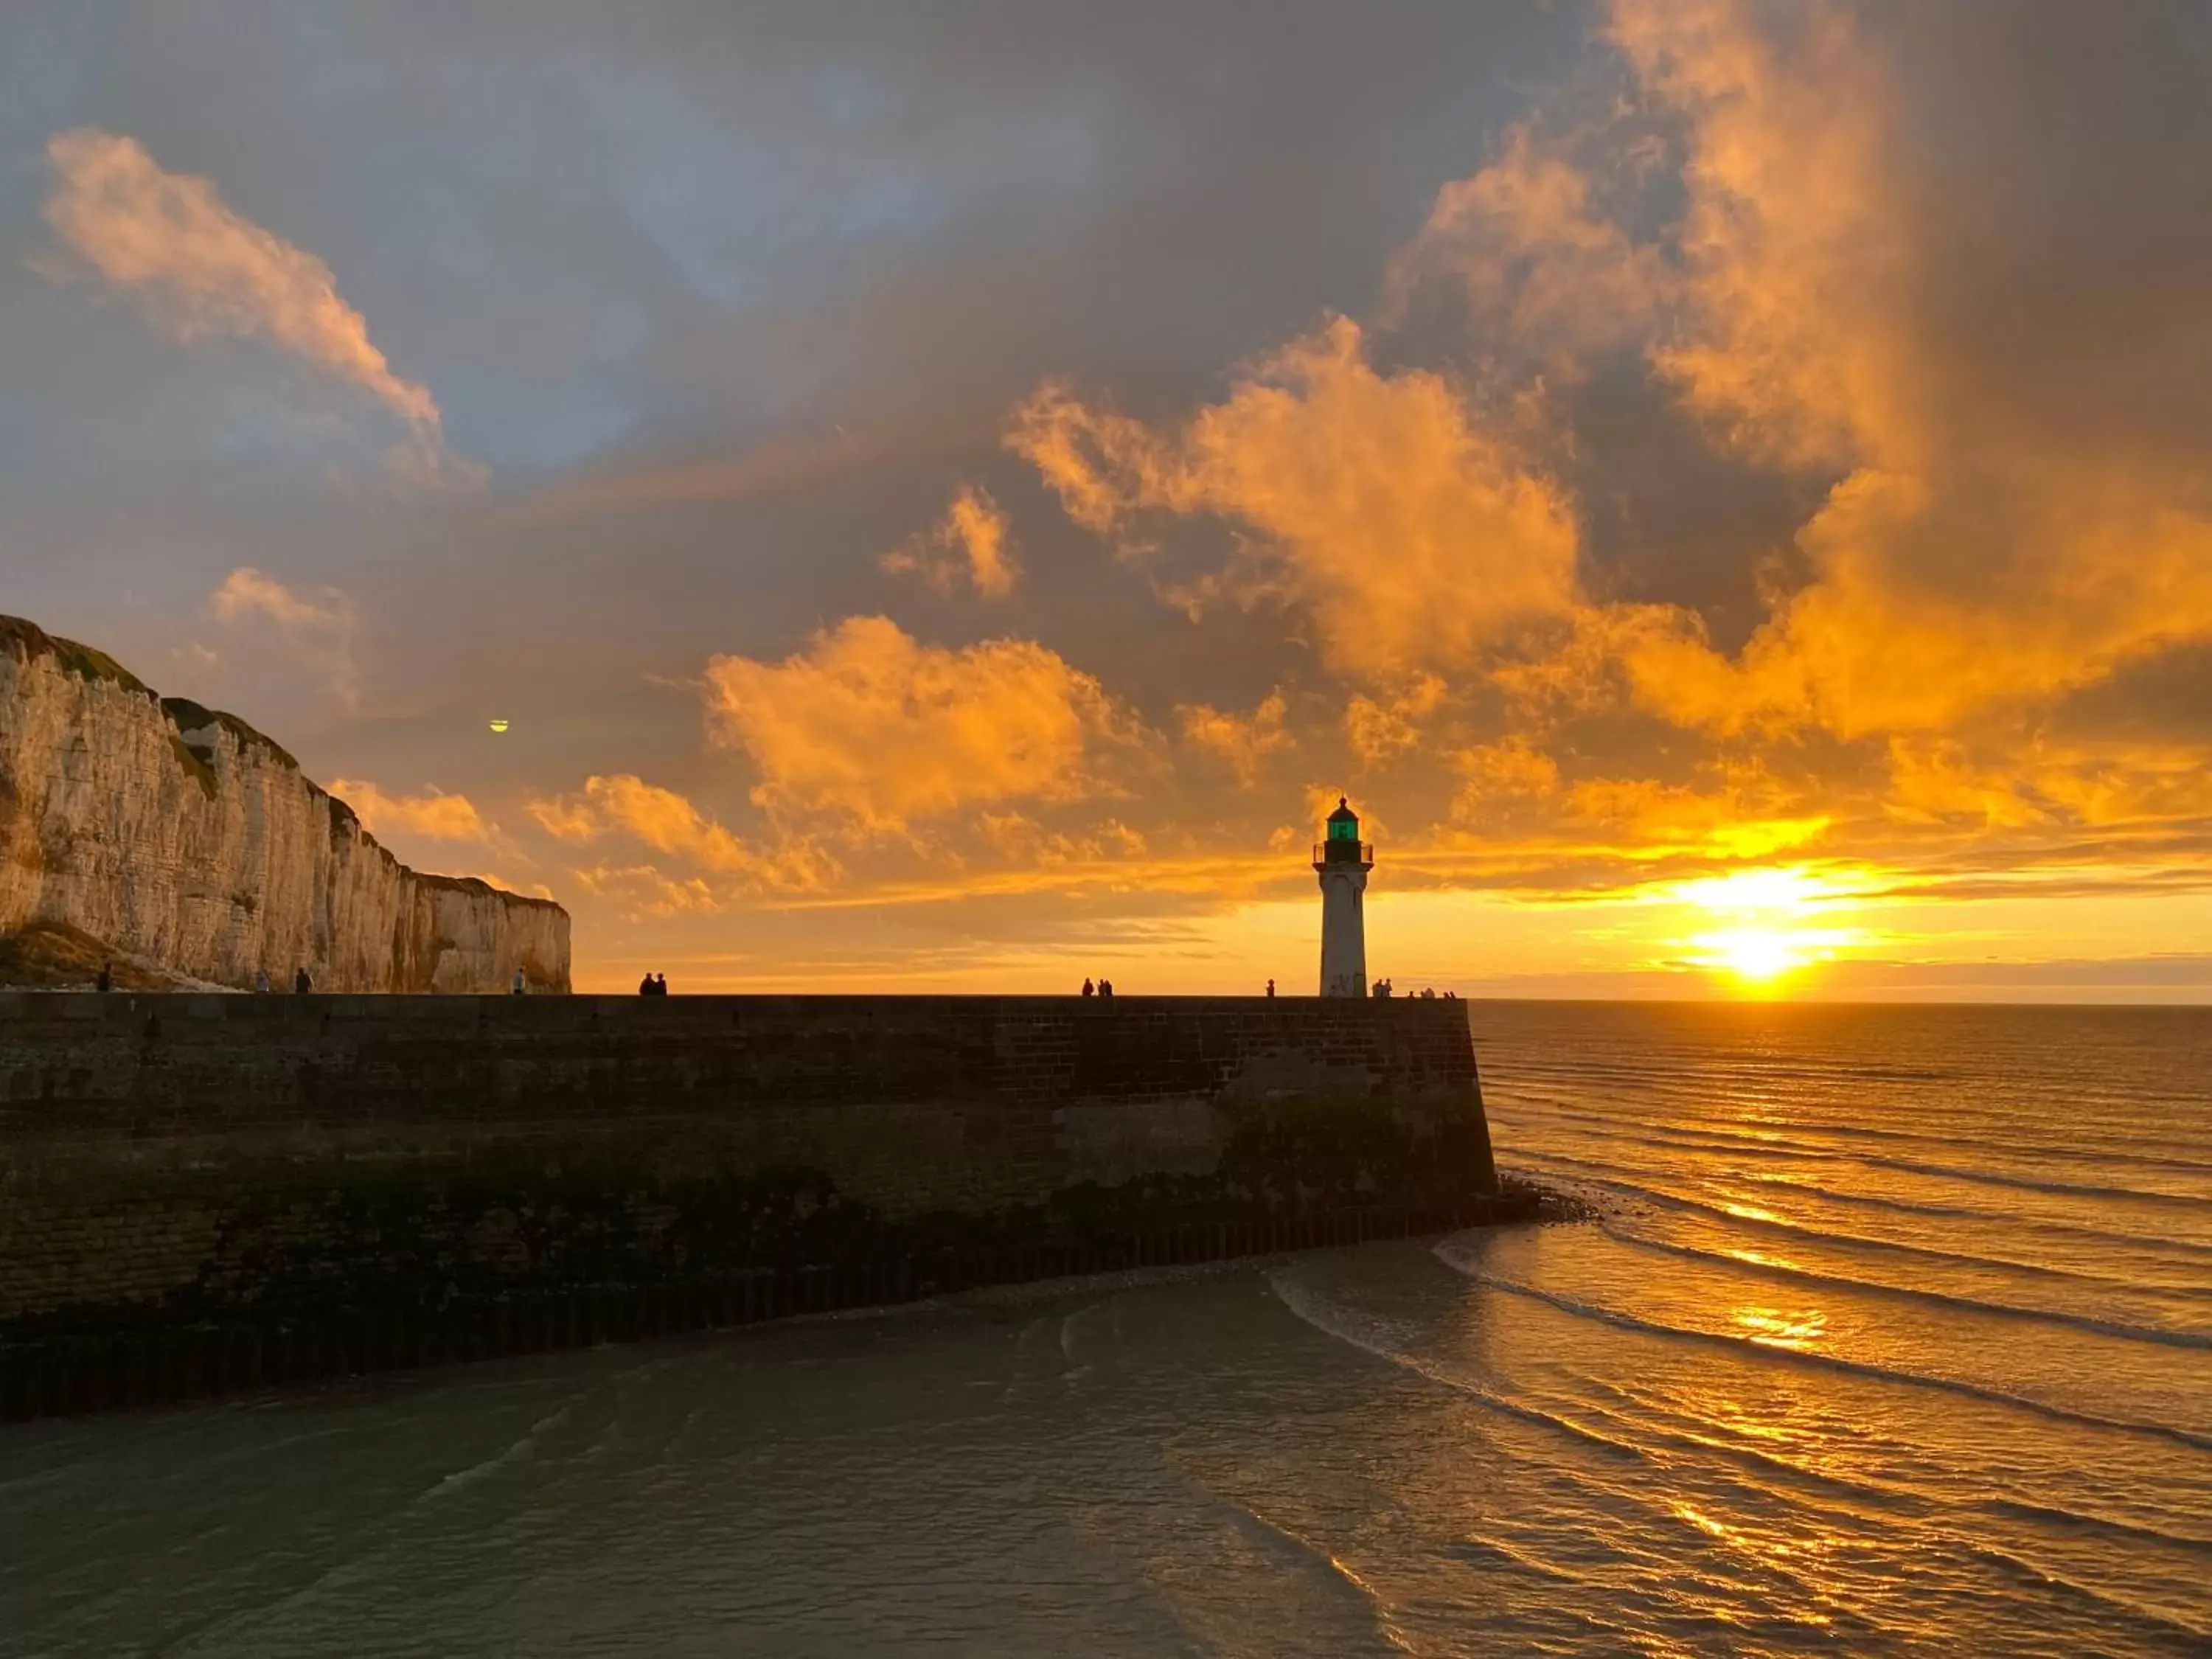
{"x":1342,"y":861}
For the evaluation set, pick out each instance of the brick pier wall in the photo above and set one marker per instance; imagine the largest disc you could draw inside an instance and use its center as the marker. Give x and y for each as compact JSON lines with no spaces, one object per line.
{"x":203,"y":1193}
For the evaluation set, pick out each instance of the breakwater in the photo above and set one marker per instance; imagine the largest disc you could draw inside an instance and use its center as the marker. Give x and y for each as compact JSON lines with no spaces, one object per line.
{"x":203,"y":1194}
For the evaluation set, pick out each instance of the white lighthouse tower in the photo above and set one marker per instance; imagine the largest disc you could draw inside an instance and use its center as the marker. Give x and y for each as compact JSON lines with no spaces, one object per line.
{"x":1342,"y":861}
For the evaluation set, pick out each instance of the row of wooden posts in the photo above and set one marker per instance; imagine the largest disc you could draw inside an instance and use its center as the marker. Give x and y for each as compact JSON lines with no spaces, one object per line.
{"x":160,"y":1364}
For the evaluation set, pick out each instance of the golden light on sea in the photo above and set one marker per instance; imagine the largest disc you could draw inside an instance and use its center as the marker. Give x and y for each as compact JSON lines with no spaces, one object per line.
{"x":1795,"y":1328}
{"x":498,"y":726}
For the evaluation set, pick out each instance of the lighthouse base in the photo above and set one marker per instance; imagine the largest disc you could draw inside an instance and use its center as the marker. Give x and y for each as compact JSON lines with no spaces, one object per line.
{"x":1343,"y":929}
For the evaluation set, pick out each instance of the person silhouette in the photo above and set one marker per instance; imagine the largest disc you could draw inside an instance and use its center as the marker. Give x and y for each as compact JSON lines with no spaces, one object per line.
{"x":518,"y":987}
{"x":1271,"y":987}
{"x":302,"y":984}
{"x":1105,"y":988}
{"x":644,"y":986}
{"x":660,"y":985}
{"x":261,"y":986}
{"x":1089,"y":989}
{"x":107,"y":980}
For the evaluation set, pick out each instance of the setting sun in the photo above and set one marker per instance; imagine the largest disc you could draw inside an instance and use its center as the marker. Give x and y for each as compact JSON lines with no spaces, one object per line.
{"x":1757,"y":954}
{"x":1773,"y":925}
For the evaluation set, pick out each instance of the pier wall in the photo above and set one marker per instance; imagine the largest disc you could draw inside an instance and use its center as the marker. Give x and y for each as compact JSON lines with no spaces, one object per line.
{"x":201,"y":1193}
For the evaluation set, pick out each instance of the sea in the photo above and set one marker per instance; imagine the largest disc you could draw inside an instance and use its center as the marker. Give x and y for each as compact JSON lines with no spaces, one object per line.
{"x":1888,"y":1330}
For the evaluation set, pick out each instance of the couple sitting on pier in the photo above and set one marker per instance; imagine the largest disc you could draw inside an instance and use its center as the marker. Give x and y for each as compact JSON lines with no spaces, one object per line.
{"x":653,"y":985}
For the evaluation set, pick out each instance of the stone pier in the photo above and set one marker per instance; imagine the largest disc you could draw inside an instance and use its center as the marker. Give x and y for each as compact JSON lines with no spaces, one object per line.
{"x":202,"y":1194}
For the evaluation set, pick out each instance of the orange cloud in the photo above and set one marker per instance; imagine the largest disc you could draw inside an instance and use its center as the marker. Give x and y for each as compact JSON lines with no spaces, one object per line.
{"x":1793,"y":248}
{"x":1737,"y":821}
{"x":971,"y":543}
{"x":196,"y":268}
{"x":664,"y":821}
{"x":1548,"y":283}
{"x":624,"y":804}
{"x":1915,"y":621}
{"x":437,"y":815}
{"x":1513,"y":770}
{"x":315,"y":628}
{"x":2115,"y":785}
{"x":245,"y":592}
{"x":1377,"y":731}
{"x":871,"y":728}
{"x":641,"y":890}
{"x":1243,"y":741}
{"x":1019,"y":839}
{"x":1963,"y":561}
{"x":1414,"y":537}
{"x":566,"y":820}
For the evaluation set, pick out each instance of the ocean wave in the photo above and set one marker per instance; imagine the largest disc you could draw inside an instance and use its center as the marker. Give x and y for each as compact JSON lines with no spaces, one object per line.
{"x":2061,"y":1519}
{"x":2181,"y":1155}
{"x":1659,"y":1444}
{"x":2059,"y":1189}
{"x":1674,"y":1139}
{"x":2003,"y":1218}
{"x":1722,"y":1138}
{"x":1732,"y":1145}
{"x":1661,"y":1414}
{"x":1606,"y":1197}
{"x":1332,"y":1319}
{"x":1576,"y":1308}
{"x":1371,"y":1336}
{"x":521,"y":1450}
{"x":1906,"y":1292}
{"x":1819,"y":1236}
{"x":2106,"y":1606}
{"x":1626,"y":1178}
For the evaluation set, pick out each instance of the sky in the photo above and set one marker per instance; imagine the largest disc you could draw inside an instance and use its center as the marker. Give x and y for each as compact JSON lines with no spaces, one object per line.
{"x":947,"y":498}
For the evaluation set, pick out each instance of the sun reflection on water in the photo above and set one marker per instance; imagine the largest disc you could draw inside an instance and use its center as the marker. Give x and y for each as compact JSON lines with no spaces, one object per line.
{"x":1796,"y":1328}
{"x":1762,"y":1259}
{"x":1747,"y":1212}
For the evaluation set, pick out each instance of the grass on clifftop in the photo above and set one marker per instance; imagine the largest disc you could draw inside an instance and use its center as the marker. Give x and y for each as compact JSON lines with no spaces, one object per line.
{"x":189,"y":716}
{"x":25,"y":640}
{"x":50,"y":956}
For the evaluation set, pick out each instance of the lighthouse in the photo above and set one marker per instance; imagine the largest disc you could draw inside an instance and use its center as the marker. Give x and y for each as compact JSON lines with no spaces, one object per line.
{"x":1342,"y":861}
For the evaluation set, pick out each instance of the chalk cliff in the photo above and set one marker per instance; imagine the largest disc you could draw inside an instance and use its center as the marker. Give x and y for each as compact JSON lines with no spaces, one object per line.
{"x":181,"y":836}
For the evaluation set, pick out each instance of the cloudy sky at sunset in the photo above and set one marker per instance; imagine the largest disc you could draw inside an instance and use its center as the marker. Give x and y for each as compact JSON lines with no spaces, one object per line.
{"x":947,"y":496}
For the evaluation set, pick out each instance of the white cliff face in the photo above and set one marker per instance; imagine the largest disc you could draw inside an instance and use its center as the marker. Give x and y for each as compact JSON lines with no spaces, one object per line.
{"x":185,"y":838}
